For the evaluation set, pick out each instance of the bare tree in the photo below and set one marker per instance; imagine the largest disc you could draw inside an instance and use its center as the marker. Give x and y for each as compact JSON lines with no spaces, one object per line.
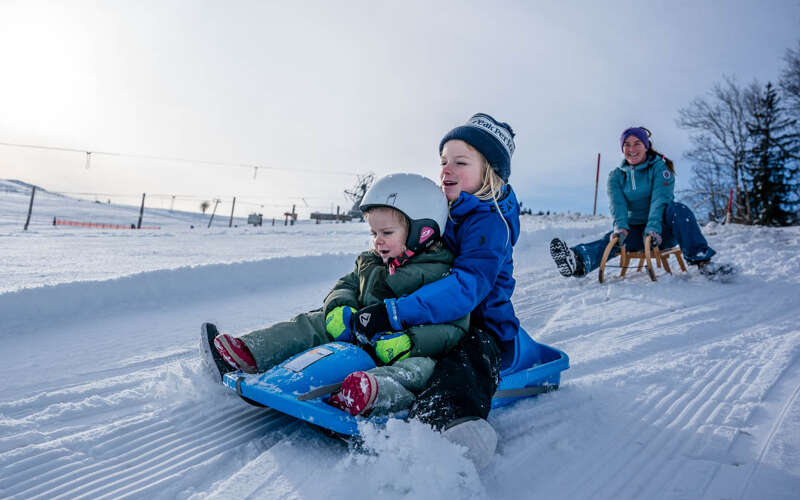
{"x":718,"y":126}
{"x":204,"y":205}
{"x":709,"y":188}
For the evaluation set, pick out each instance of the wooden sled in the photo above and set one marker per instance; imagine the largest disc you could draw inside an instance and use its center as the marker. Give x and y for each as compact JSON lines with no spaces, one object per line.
{"x":645,"y":258}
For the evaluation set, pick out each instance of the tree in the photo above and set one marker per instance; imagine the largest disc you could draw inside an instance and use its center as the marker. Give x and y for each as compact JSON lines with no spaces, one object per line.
{"x":790,"y":81}
{"x":721,"y":142}
{"x":204,"y":205}
{"x":771,"y":165}
{"x":709,"y":188}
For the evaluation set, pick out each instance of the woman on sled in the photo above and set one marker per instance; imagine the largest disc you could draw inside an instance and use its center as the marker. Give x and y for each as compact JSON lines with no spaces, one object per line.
{"x":641,"y":194}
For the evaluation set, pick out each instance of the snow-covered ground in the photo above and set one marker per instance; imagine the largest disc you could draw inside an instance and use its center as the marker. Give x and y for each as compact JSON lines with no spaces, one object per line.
{"x":682,"y":388}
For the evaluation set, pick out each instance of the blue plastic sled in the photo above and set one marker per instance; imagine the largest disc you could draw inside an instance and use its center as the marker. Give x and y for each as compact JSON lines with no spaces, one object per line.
{"x":532,"y":368}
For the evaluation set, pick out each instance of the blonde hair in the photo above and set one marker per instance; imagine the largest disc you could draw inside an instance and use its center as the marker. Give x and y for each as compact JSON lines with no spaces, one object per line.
{"x":491,"y":186}
{"x":397,"y":214}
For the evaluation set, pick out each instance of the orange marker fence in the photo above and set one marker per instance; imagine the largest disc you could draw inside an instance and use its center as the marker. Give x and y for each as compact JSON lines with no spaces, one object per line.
{"x":62,"y":222}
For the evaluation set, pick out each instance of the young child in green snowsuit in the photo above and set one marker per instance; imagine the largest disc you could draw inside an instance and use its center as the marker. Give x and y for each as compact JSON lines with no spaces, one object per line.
{"x":406,"y":214}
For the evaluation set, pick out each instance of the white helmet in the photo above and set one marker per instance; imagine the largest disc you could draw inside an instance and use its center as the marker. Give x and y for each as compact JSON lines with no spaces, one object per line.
{"x":416,"y":196}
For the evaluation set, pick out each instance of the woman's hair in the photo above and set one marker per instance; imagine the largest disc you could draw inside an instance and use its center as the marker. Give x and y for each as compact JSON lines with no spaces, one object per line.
{"x":669,"y":163}
{"x":651,"y":150}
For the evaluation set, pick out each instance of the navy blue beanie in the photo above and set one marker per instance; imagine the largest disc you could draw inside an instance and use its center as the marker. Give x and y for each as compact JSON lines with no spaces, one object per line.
{"x":640,"y":133}
{"x":494,"y":140}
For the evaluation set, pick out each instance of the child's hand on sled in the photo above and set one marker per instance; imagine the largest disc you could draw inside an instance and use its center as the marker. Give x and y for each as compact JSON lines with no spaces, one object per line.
{"x":339,"y":323}
{"x":392,"y":346}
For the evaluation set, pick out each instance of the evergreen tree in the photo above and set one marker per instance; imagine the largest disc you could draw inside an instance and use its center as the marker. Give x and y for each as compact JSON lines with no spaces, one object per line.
{"x":772,"y":163}
{"x":790,"y":81}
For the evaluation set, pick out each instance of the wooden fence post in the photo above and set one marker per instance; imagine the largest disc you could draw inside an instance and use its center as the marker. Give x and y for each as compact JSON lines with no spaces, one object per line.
{"x":230,"y":222}
{"x":141,"y":212}
{"x":216,"y":202}
{"x":30,"y":208}
{"x":596,"y":182}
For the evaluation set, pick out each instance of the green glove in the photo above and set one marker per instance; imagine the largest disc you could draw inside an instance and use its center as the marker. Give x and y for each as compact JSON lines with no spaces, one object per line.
{"x":392,"y":346}
{"x":339,"y":323}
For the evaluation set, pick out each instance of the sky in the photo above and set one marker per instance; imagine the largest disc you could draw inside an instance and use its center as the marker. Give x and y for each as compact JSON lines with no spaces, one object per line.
{"x":315,"y":93}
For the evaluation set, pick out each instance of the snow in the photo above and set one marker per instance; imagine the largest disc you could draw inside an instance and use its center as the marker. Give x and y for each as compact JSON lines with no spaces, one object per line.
{"x":680,"y":388}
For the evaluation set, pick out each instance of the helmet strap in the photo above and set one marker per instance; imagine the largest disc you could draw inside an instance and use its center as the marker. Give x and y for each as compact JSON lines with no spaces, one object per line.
{"x":399,"y":261}
{"x":422,"y":234}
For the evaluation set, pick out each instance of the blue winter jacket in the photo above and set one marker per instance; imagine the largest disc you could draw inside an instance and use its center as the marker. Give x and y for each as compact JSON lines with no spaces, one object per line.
{"x":638,"y":194}
{"x":482,"y":279}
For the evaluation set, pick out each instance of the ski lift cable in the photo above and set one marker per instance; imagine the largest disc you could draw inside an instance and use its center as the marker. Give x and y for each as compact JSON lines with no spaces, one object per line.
{"x":222,"y":199}
{"x":188,"y":196}
{"x":175,"y":159}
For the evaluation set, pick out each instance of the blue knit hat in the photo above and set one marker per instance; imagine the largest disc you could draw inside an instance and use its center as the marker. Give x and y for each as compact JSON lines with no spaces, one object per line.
{"x":494,"y":140}
{"x":640,"y":133}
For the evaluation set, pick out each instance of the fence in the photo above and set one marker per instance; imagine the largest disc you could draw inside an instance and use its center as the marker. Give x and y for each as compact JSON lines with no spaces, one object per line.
{"x":62,"y":222}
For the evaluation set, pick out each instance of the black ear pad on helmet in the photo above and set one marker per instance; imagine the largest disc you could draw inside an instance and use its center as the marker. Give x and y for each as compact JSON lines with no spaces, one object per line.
{"x":422,"y":233}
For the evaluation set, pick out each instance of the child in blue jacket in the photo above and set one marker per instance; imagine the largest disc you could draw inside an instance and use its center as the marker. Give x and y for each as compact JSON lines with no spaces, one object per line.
{"x":406,"y":214}
{"x":641,"y":194}
{"x":482,"y":228}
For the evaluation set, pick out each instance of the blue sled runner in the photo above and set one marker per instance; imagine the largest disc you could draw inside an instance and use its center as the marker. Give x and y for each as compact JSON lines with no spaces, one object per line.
{"x":301,"y":385}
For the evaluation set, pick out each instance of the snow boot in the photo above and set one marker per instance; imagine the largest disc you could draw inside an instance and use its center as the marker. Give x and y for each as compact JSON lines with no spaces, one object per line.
{"x":477,"y":436}
{"x":236,"y":353}
{"x":210,"y":356}
{"x":357,"y":394}
{"x":715,"y":271}
{"x":569,"y":263}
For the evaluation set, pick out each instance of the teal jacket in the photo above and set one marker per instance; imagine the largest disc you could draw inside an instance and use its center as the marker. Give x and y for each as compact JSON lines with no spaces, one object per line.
{"x":639,"y":194}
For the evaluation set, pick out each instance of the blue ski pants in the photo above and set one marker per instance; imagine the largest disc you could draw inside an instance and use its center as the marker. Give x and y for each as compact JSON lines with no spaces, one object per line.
{"x":679,"y":227}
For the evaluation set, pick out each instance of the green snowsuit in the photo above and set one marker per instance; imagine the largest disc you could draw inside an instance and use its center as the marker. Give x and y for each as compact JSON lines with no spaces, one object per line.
{"x":370,"y":283}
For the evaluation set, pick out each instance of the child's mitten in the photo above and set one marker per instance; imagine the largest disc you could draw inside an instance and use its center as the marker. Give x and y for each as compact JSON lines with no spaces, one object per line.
{"x":339,"y":323}
{"x":391,"y":347}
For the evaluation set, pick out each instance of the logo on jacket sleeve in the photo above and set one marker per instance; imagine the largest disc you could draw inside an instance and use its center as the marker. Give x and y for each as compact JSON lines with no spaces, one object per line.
{"x":364,"y":319}
{"x":666,"y":174}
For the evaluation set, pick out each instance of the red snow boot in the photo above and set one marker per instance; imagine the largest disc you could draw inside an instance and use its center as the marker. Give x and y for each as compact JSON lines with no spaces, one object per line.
{"x":357,"y":394}
{"x":236,"y":353}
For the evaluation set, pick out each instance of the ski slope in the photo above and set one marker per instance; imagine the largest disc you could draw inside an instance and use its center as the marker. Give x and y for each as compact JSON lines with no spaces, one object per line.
{"x":683,"y":388}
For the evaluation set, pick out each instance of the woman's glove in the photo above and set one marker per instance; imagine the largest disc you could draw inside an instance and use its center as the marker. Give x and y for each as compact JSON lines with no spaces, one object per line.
{"x":393,"y":346}
{"x":655,"y":238}
{"x":339,"y":323}
{"x":620,"y":233}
